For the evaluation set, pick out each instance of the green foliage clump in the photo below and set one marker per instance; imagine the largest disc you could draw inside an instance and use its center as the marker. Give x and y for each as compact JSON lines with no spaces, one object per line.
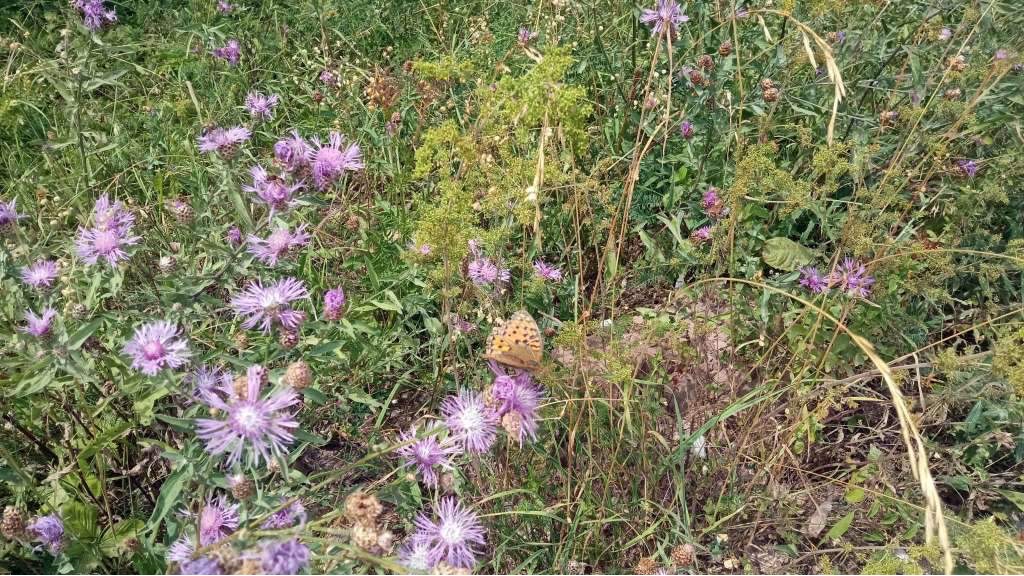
{"x":1008,"y":360}
{"x":988,"y":549}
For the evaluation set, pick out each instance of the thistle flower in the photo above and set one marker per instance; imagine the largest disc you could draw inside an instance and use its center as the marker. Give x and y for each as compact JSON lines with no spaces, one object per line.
{"x":156,"y":346}
{"x":712,"y":203}
{"x":968,"y":168}
{"x":49,"y":531}
{"x":517,"y":401}
{"x":686,"y":129}
{"x":203,"y":380}
{"x":334,"y":303}
{"x":293,"y":152}
{"x":329,"y":78}
{"x":427,"y":454}
{"x":945,"y":34}
{"x":234,"y":236}
{"x":702,"y":235}
{"x":291,"y":515}
{"x":224,"y":7}
{"x":1001,"y":54}
{"x":330,"y":161}
{"x":201,"y":565}
{"x":472,"y":425}
{"x":547,"y":271}
{"x":525,"y":36}
{"x":8,"y":214}
{"x":271,"y":304}
{"x":278,"y":244}
{"x":852,"y":277}
{"x":455,"y":537}
{"x":259,"y":424}
{"x":260,"y":107}
{"x":483,"y":271}
{"x":665,"y":17}
{"x":813,"y":280}
{"x":181,"y":550}
{"x":38,"y":326}
{"x":40,"y":274}
{"x":110,"y":233}
{"x":95,"y":14}
{"x":415,"y":556}
{"x":217,"y":520}
{"x":285,"y":557}
{"x":223,"y":141}
{"x":230,"y":52}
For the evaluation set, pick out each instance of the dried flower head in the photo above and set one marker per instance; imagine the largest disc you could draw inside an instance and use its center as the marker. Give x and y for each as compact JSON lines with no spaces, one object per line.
{"x":298,"y":375}
{"x":362,"y":508}
{"x":725,"y":48}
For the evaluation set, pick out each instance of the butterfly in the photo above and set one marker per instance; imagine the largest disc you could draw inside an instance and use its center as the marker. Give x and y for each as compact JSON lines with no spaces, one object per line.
{"x":517,"y":343}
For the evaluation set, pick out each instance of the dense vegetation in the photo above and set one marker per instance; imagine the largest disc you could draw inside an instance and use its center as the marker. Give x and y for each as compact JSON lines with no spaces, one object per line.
{"x":567,"y":286}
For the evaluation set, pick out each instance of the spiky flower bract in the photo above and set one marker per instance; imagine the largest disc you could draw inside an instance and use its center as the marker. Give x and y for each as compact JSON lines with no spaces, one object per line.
{"x":263,"y":426}
{"x":156,"y":346}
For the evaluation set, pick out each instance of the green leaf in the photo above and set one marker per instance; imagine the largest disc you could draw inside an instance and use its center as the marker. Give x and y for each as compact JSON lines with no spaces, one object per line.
{"x":840,"y":528}
{"x":315,"y":396}
{"x":855,"y":495}
{"x":76,"y":340}
{"x":784,"y":254}
{"x":364,"y":398}
{"x":1016,"y":497}
{"x":112,"y":543}
{"x":80,"y":519}
{"x":169,"y":493}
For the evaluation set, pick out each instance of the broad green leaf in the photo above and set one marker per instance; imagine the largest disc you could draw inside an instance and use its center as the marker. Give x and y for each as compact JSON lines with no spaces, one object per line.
{"x":1016,"y":497}
{"x":364,"y":398}
{"x":840,"y":528}
{"x":784,"y":254}
{"x":80,"y":519}
{"x":169,"y":493}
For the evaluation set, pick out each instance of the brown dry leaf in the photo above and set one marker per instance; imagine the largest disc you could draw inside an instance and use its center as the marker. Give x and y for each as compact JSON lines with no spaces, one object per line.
{"x":817,"y":522}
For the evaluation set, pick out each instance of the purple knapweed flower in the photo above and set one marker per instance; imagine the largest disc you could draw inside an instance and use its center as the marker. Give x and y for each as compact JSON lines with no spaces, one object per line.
{"x":40,"y":274}
{"x":483,"y":271}
{"x":203,"y":379}
{"x":223,"y":141}
{"x":702,"y":235}
{"x":181,"y":550}
{"x":427,"y":454}
{"x":415,"y":555}
{"x":686,"y":129}
{"x":1002,"y":54}
{"x":278,"y":244}
{"x":525,"y":36}
{"x":852,"y":277}
{"x":945,"y":34}
{"x":330,"y":161}
{"x":217,"y":520}
{"x":547,"y":271}
{"x":291,"y":515}
{"x":712,"y":202}
{"x":812,"y":279}
{"x":285,"y":557}
{"x":224,"y":7}
{"x":334,"y":303}
{"x":455,"y":537}
{"x":271,"y":190}
{"x":292,"y":152}
{"x":968,"y":168}
{"x":517,"y":400}
{"x":109,"y":235}
{"x":268,"y":305}
{"x":38,"y":326}
{"x":49,"y":531}
{"x":234,"y":236}
{"x":250,"y":421}
{"x":260,"y":107}
{"x":472,"y":425}
{"x":156,"y":346}
{"x":95,"y":14}
{"x":229,"y":53}
{"x":201,"y":565}
{"x":329,"y":78}
{"x":665,"y":17}
{"x":8,"y":214}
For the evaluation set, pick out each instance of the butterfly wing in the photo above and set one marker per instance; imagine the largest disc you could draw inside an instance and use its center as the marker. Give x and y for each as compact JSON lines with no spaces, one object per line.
{"x":517,"y":342}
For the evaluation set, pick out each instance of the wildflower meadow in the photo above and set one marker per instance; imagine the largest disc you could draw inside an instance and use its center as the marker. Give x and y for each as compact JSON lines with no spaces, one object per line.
{"x":539,"y":287}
